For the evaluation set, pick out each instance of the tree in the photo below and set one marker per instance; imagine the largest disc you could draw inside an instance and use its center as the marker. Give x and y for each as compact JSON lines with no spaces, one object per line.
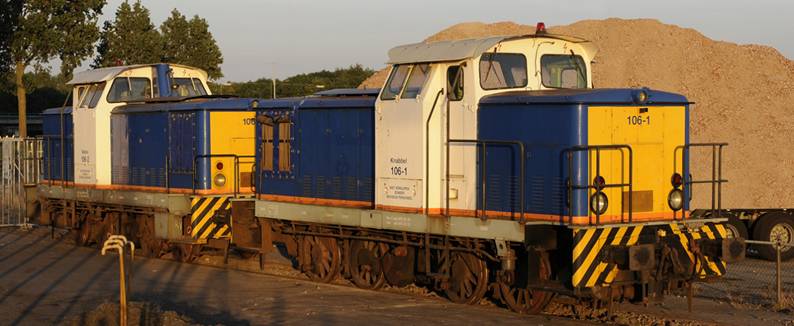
{"x":130,"y":39}
{"x":298,"y":85}
{"x":9,"y":13}
{"x":47,"y":29}
{"x":191,"y":43}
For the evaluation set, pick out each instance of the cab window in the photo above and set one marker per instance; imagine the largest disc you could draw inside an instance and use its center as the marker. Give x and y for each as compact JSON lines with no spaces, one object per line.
{"x":416,"y":80}
{"x":188,"y":87}
{"x":266,"y":161}
{"x":129,"y":89}
{"x":396,"y":81}
{"x":284,"y":146}
{"x":563,"y":71}
{"x":503,"y":70}
{"x":91,"y":95}
{"x":455,"y":83}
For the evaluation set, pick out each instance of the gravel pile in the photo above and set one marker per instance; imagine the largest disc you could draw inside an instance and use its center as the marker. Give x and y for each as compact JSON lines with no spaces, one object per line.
{"x":138,"y":314}
{"x":743,"y":96}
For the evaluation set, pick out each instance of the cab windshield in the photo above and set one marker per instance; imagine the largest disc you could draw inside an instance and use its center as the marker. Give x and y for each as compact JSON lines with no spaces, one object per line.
{"x":129,"y":89}
{"x":563,"y":71}
{"x":89,"y":95}
{"x":188,"y":87}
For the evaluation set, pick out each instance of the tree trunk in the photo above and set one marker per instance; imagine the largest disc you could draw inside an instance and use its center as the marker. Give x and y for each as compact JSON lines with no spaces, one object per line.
{"x":21,"y":99}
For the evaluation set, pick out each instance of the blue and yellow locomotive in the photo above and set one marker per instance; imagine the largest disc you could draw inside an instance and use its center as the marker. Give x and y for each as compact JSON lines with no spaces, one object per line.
{"x":176,"y":157}
{"x":481,"y":165}
{"x":494,"y":165}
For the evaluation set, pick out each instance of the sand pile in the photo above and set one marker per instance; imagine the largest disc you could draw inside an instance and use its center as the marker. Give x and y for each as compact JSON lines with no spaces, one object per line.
{"x":743,"y":95}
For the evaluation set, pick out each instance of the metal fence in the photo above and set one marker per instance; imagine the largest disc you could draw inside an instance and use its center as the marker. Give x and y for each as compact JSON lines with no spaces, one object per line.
{"x":755,"y":281}
{"x":20,"y":170}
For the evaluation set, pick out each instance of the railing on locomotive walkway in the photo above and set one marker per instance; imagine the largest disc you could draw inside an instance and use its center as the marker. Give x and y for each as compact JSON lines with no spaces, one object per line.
{"x":20,"y":171}
{"x":757,"y":282}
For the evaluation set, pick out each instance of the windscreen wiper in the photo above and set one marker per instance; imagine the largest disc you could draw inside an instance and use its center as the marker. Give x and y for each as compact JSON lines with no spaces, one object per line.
{"x":578,"y":68}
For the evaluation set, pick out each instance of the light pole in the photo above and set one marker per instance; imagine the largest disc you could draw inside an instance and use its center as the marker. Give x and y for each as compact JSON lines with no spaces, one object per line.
{"x":273,"y":75}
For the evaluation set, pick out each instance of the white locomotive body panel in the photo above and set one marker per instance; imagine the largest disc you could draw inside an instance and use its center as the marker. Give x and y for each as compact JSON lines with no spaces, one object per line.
{"x":412,"y":132}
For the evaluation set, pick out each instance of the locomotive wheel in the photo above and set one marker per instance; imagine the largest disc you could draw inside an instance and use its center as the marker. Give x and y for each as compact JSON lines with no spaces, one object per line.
{"x":366,"y":269}
{"x":150,"y":246}
{"x":186,"y":253}
{"x":320,"y":258}
{"x":527,"y":301}
{"x":82,"y":236}
{"x":468,"y":278}
{"x":399,"y":266}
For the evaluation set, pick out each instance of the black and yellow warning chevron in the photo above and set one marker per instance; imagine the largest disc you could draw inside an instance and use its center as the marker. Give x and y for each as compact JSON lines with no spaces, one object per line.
{"x":589,"y":267}
{"x":202,"y":211}
{"x":709,"y":267}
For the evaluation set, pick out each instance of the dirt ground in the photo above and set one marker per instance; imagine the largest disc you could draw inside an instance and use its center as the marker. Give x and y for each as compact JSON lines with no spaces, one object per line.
{"x":46,"y":281}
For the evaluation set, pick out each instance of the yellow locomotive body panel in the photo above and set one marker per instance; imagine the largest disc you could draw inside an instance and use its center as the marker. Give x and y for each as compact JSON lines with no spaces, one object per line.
{"x":653,"y":132}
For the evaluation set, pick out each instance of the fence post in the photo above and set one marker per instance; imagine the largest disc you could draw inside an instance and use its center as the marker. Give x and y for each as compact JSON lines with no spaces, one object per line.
{"x":778,"y":247}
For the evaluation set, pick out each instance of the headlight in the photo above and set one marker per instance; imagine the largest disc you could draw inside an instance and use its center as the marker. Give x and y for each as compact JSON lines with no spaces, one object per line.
{"x":599,"y":203}
{"x":220,"y":180}
{"x":640,"y":96}
{"x":675,"y":199}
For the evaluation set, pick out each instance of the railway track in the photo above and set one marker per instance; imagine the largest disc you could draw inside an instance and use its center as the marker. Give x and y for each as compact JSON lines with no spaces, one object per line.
{"x":283,"y":267}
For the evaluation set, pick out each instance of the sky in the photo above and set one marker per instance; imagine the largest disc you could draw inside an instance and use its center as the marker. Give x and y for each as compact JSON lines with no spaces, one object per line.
{"x":264,"y":38}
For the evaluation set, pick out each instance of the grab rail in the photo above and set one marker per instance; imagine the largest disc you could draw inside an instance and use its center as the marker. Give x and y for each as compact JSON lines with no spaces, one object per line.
{"x":716,"y":180}
{"x":236,"y":171}
{"x":598,"y":148}
{"x":482,"y":147}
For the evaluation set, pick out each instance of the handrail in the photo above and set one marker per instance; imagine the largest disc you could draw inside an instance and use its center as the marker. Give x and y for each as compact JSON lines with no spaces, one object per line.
{"x":716,"y":180}
{"x":482,"y":146}
{"x":236,"y":168}
{"x":427,"y":151}
{"x":598,"y":148}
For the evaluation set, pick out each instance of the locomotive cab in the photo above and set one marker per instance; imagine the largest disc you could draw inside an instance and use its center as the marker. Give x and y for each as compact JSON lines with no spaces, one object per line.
{"x":97,"y":92}
{"x":431,"y":97}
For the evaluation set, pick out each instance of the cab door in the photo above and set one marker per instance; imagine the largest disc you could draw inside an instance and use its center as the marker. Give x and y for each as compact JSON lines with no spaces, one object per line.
{"x":400,"y":125}
{"x":461,"y":110}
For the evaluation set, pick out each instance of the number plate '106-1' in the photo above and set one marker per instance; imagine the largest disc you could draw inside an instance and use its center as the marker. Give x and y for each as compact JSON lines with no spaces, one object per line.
{"x":638,"y":120}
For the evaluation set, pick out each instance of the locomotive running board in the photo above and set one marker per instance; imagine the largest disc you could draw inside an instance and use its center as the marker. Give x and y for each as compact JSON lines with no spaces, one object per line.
{"x":384,"y":220}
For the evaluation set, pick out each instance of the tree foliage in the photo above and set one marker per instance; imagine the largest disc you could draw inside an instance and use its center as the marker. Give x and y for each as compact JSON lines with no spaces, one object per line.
{"x":9,"y":13}
{"x":190,"y":42}
{"x":131,"y":38}
{"x":298,"y":85}
{"x":47,"y":29}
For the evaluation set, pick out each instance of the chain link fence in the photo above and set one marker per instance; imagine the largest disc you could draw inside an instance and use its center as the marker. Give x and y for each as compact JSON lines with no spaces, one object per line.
{"x":754,"y":281}
{"x":20,"y":170}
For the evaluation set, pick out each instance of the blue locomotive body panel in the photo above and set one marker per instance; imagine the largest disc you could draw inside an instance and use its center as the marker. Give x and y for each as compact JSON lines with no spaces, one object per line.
{"x":331,"y":150}
{"x":156,"y":144}
{"x":546,"y":130}
{"x":549,"y":124}
{"x":57,"y":150}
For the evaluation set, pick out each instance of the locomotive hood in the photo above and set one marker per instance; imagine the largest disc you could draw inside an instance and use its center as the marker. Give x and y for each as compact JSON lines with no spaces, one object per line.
{"x":618,"y":96}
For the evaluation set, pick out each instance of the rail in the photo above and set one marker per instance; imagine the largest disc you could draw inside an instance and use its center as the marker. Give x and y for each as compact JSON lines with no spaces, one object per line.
{"x":236,"y":171}
{"x":598,"y":149}
{"x":716,"y":180}
{"x":483,"y":153}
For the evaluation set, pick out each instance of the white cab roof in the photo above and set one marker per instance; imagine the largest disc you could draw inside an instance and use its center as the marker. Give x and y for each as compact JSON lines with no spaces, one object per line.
{"x":99,"y":75}
{"x":104,"y":74}
{"x":463,"y":49}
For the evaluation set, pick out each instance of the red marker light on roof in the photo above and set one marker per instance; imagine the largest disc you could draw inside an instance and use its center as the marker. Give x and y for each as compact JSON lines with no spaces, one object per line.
{"x":219,"y":166}
{"x":541,"y":28}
